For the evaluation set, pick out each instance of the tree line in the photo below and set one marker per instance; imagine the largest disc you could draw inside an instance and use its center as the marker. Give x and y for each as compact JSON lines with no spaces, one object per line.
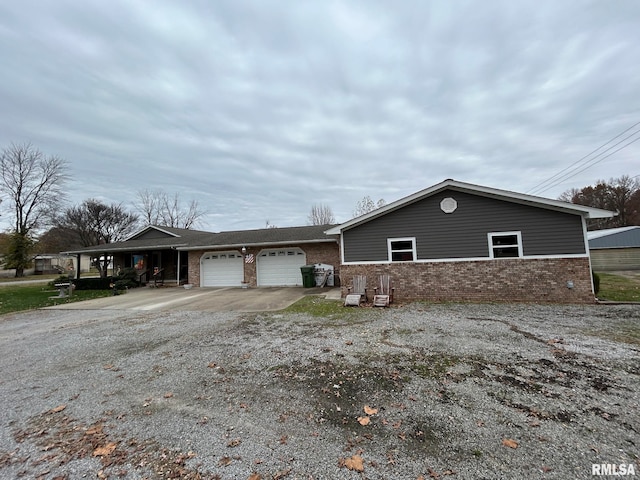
{"x":31,"y":185}
{"x":620,"y":195}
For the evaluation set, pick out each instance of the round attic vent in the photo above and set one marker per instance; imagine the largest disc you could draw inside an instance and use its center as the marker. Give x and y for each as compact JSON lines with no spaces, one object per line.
{"x":448,"y":205}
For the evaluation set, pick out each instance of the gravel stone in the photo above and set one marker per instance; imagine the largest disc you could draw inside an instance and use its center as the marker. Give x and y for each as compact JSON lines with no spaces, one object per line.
{"x":466,"y":391}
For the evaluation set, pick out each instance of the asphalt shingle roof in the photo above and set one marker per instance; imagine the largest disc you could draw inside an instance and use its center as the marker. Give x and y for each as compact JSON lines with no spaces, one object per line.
{"x":194,"y":239}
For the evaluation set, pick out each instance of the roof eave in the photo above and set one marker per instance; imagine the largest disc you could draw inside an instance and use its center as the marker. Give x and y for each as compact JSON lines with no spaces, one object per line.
{"x":257,"y":244}
{"x":123,"y":249}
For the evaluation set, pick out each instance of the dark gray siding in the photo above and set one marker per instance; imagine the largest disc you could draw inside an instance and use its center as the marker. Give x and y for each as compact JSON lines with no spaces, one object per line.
{"x":463,"y":233}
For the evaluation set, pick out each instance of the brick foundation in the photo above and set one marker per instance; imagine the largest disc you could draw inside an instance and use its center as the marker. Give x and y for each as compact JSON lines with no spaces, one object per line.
{"x":504,"y":280}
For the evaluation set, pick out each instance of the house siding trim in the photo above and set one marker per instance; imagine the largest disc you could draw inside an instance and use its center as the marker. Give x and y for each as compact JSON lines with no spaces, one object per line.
{"x":473,"y":259}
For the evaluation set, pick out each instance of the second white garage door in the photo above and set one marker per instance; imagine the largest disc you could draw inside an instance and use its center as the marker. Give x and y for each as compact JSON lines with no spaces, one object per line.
{"x":221,"y":269}
{"x":280,"y":267}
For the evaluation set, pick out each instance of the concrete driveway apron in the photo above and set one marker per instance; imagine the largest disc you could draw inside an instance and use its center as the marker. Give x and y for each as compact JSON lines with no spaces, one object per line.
{"x":198,"y":299}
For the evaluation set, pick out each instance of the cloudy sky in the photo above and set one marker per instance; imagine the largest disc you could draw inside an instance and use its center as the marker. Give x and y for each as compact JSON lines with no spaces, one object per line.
{"x":260,"y":109}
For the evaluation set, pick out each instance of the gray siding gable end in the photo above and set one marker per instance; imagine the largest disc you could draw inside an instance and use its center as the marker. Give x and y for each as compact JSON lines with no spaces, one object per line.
{"x":464,"y":233}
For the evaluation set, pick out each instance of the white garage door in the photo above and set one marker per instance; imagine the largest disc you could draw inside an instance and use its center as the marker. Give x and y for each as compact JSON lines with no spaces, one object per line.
{"x":280,"y":267}
{"x":221,"y":269}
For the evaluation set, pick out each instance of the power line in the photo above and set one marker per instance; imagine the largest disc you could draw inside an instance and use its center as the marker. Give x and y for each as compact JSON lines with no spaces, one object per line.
{"x":554,"y":180}
{"x":589,"y":166}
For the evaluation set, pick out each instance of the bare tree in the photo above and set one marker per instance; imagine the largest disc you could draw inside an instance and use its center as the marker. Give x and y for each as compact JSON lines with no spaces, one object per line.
{"x":367,"y":205}
{"x":159,"y":208}
{"x":321,"y":215}
{"x":32,"y":182}
{"x":96,"y":223}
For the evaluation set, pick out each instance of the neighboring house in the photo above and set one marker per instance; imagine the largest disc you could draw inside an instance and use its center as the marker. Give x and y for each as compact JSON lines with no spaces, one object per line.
{"x":615,"y":248}
{"x":456,"y":241}
{"x":271,"y":256}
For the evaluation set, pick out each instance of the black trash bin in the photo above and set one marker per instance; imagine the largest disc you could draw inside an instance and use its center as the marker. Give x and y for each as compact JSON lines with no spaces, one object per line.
{"x":308,"y":278}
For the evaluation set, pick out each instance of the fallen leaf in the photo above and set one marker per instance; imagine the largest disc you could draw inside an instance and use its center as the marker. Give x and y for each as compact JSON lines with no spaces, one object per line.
{"x":369,"y":410}
{"x":234,"y":443}
{"x":353,"y":463}
{"x":168,"y":395}
{"x":106,"y":450}
{"x":225,"y":461}
{"x":96,"y":429}
{"x":59,"y":408}
{"x":364,"y":421}
{"x":281,"y":474}
{"x":255,"y":476}
{"x":508,"y":442}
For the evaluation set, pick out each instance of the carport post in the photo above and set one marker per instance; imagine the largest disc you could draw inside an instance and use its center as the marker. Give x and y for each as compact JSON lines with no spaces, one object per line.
{"x":178,"y":272}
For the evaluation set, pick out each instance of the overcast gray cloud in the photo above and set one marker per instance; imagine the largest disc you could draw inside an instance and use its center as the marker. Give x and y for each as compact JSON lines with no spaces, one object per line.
{"x":259,"y":109}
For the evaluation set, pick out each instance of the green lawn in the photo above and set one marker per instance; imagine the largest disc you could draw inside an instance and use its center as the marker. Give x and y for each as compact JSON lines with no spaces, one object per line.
{"x":619,"y":288}
{"x":27,"y":297}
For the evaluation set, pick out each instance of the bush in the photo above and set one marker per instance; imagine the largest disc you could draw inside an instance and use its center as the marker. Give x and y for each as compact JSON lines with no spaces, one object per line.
{"x":596,"y":282}
{"x":127,"y":278}
{"x":92,"y":283}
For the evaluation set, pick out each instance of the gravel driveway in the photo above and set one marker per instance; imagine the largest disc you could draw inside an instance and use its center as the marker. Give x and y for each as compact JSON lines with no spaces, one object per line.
{"x":456,"y":391}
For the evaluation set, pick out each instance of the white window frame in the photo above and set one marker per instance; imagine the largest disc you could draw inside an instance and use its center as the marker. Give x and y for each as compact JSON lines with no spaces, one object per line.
{"x":492,"y":247}
{"x":402,"y":239}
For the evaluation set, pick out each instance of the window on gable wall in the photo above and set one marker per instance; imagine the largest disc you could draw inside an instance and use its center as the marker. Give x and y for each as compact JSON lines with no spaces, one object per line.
{"x":402,"y":249}
{"x":505,"y":244}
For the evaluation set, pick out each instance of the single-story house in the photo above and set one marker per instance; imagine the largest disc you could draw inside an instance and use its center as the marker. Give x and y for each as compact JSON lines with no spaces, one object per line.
{"x":264,"y":257}
{"x":453,"y":241}
{"x":457,"y":241}
{"x":615,"y":248}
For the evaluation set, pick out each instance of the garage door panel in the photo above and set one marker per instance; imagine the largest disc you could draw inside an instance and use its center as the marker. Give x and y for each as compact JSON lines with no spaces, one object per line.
{"x":280,"y":267}
{"x":222,"y":269}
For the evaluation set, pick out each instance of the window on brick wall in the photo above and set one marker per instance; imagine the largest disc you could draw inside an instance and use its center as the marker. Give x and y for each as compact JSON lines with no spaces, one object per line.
{"x":505,"y":244}
{"x":401,"y":249}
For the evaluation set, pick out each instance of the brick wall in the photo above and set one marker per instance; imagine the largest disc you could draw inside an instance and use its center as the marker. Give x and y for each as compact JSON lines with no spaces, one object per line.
{"x":325,"y":252}
{"x":504,"y":280}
